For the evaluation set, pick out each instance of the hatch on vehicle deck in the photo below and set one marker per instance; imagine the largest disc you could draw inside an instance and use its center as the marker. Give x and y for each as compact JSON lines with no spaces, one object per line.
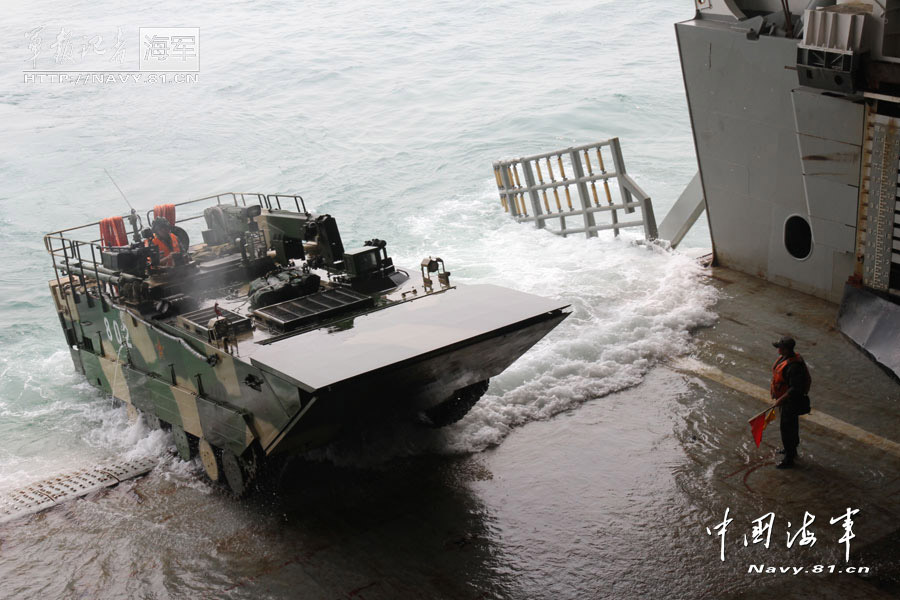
{"x":292,"y":314}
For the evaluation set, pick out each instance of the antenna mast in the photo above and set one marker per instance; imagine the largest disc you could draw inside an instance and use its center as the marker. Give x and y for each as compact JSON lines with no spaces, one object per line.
{"x":133,"y":217}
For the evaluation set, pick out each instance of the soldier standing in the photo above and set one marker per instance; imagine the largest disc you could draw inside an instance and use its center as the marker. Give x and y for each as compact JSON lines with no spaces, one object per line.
{"x":789,"y":389}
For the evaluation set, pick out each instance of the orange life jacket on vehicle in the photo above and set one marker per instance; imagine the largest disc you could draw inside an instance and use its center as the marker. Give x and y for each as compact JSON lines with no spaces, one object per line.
{"x":780,"y":384}
{"x":165,"y":252}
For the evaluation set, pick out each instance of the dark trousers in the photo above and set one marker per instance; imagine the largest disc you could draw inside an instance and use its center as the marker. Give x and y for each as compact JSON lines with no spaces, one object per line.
{"x":790,"y":432}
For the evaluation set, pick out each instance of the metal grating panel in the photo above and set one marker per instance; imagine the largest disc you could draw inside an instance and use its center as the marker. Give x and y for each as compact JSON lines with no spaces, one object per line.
{"x":880,"y":226}
{"x":295,"y":313}
{"x":50,"y":492}
{"x":568,"y":172}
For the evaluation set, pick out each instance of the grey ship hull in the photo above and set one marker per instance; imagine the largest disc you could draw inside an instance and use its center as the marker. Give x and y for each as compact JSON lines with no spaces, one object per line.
{"x":799,"y":161}
{"x":742,"y":103}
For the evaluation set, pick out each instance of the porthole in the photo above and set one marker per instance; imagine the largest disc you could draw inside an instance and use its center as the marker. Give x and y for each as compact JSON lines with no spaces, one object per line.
{"x":797,"y":237}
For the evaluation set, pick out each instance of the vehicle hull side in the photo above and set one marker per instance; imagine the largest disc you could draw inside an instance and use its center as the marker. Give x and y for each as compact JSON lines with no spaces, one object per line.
{"x":230,"y":403}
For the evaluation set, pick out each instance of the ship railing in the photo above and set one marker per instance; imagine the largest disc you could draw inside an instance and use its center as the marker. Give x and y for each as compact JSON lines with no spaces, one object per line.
{"x":80,"y":261}
{"x":539,"y":189}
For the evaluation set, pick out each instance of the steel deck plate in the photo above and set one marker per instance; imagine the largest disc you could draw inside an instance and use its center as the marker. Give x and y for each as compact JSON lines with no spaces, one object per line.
{"x":323,"y":357}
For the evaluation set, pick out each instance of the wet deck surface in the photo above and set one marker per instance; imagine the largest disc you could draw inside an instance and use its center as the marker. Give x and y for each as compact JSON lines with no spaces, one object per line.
{"x":835,"y":470}
{"x":610,"y":500}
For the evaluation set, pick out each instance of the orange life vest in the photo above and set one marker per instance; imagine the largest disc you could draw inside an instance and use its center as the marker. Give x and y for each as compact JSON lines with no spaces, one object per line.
{"x":780,"y":385}
{"x":165,"y":252}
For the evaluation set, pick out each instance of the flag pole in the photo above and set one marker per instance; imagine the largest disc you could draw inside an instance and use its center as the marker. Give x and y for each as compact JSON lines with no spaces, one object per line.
{"x":760,"y":414}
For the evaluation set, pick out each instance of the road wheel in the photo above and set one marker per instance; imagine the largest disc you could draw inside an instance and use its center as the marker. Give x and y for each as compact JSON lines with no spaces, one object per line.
{"x":210,"y":460}
{"x":187,"y":448}
{"x":240,"y":471}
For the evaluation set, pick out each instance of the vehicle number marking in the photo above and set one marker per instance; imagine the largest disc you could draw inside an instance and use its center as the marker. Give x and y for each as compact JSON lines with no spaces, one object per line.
{"x":119,"y":331}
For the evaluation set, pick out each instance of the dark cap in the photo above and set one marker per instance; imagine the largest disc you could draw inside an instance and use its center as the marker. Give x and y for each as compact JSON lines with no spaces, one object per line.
{"x":787,"y":342}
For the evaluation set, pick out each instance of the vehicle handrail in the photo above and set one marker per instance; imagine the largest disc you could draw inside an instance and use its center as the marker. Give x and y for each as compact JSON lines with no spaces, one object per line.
{"x":235,"y":198}
{"x":298,"y":201}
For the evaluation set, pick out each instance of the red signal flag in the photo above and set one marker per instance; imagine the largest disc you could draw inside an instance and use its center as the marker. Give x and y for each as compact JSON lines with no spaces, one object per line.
{"x":759,"y":422}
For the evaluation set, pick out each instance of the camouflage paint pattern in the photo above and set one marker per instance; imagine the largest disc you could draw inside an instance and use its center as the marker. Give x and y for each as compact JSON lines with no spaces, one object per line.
{"x":184,"y":381}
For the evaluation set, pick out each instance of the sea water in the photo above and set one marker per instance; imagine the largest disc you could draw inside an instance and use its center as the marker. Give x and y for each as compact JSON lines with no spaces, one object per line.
{"x":386,"y":115}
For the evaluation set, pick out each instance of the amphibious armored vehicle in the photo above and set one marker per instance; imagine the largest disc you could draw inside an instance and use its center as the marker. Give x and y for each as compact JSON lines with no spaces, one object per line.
{"x":269,"y":337}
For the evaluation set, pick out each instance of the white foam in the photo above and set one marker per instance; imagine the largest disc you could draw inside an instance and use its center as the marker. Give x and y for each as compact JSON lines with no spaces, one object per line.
{"x":633,"y":305}
{"x":73,"y":425}
{"x":183,"y":473}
